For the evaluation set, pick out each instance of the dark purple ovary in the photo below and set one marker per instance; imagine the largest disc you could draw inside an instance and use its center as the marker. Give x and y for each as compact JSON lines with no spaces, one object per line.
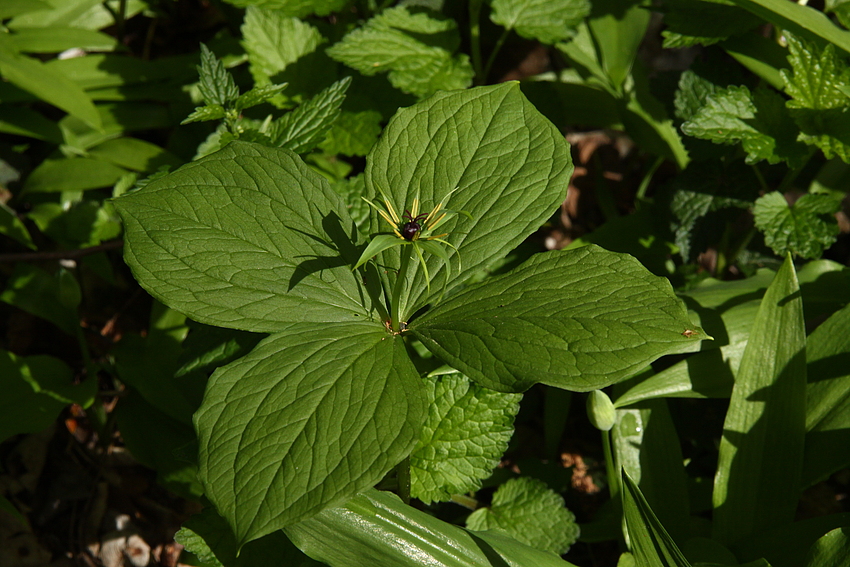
{"x":409,"y":230}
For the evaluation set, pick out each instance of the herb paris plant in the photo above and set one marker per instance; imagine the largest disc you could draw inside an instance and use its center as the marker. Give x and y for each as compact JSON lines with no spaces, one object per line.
{"x":251,"y":238}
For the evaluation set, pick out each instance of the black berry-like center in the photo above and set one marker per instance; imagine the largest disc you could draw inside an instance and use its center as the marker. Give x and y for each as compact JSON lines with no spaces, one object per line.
{"x":409,"y":230}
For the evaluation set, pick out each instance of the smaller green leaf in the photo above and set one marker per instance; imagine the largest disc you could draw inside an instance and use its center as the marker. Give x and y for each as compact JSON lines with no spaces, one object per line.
{"x":13,"y":227}
{"x":205,"y":113}
{"x":805,"y":228}
{"x":274,"y":40}
{"x":704,"y":23}
{"x":295,"y":8}
{"x":11,"y":8}
{"x":23,"y":121}
{"x":302,"y":129}
{"x":378,"y":244}
{"x":759,"y":121}
{"x":464,"y":436}
{"x":72,"y":174}
{"x":134,"y":154}
{"x":543,"y":20}
{"x":649,"y":542}
{"x":530,"y":512}
{"x":35,"y":291}
{"x":257,"y":95}
{"x":216,"y":83}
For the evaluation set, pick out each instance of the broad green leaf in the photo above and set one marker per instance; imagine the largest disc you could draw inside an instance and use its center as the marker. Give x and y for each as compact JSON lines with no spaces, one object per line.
{"x":828,"y":398}
{"x":353,"y":133}
{"x":35,"y":390}
{"x":758,"y":120}
{"x":507,"y":165}
{"x":56,"y":39}
{"x":805,"y":228}
{"x":798,"y":18}
{"x":757,"y":484}
{"x":649,"y":542}
{"x":543,"y":20}
{"x":831,"y":549}
{"x":135,"y":154}
{"x":378,"y":530}
{"x":35,"y":291}
{"x":13,"y":227}
{"x":54,"y":88}
{"x":295,"y":8}
{"x":308,"y":419}
{"x":647,"y":447}
{"x":248,"y":238}
{"x":464,"y":436}
{"x":530,"y":512}
{"x":415,"y":64}
{"x":72,"y":174}
{"x":274,"y":40}
{"x":618,"y":30}
{"x":578,"y":319}
{"x":208,"y":536}
{"x":216,"y":83}
{"x":819,"y":83}
{"x":302,"y":129}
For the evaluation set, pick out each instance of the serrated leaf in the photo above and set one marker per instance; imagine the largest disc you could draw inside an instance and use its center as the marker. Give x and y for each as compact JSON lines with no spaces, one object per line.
{"x":257,"y":95}
{"x":579,"y":319}
{"x":302,"y":129}
{"x":273,"y":40}
{"x":530,"y":512}
{"x":353,"y":133}
{"x":309,"y":418}
{"x":378,"y":526}
{"x":818,"y":84}
{"x":216,"y":83}
{"x":249,"y":238}
{"x":415,"y":67}
{"x":508,"y":167}
{"x":764,"y":430}
{"x":543,"y":20}
{"x":806,"y":228}
{"x":759,"y":121}
{"x":464,"y":436}
{"x":205,"y":113}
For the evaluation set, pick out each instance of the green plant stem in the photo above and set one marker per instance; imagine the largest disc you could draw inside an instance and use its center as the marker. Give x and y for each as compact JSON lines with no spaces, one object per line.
{"x":475,"y":38}
{"x":401,"y":277}
{"x":610,"y":466}
{"x":466,"y":501}
{"x":644,"y":184}
{"x":403,"y":475}
{"x":493,"y":54}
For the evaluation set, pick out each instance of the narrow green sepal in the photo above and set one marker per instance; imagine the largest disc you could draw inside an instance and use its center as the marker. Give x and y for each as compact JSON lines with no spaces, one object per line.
{"x":379,"y":244}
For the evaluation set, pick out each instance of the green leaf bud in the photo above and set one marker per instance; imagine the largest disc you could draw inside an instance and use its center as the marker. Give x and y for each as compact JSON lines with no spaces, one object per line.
{"x":600,"y":410}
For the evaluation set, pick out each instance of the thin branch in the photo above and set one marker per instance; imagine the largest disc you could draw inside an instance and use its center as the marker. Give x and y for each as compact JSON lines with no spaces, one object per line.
{"x":61,"y":254}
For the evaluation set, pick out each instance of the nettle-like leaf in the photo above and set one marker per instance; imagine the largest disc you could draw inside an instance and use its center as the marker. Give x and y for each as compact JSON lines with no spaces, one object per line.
{"x":507,"y":166}
{"x":805,"y":228}
{"x":580,"y":319}
{"x":530,"y":512}
{"x":701,"y":22}
{"x":466,"y":432}
{"x":819,"y":84}
{"x":303,"y":128}
{"x":758,"y":120}
{"x":216,"y":84}
{"x":418,"y":64}
{"x":309,"y":418}
{"x":274,"y":40}
{"x":543,"y":20}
